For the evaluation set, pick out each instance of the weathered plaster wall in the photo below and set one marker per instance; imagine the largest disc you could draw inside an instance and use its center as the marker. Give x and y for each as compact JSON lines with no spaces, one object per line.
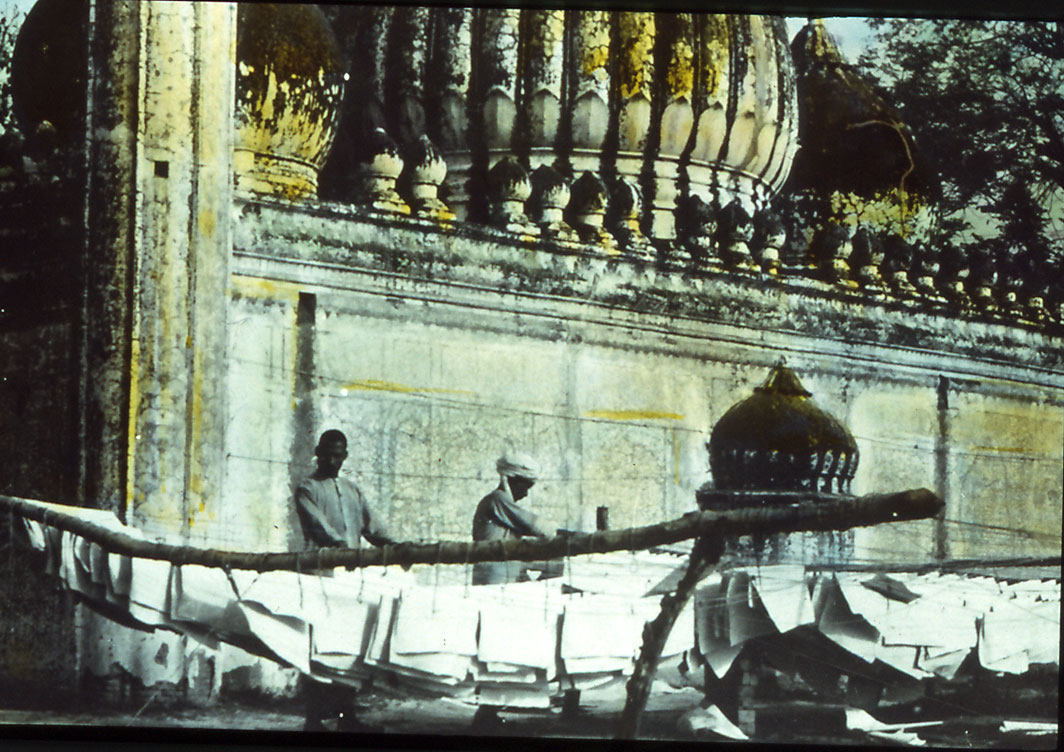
{"x":432,"y":374}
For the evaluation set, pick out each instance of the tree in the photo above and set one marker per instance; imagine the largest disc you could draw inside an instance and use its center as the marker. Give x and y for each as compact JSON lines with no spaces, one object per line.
{"x":985,"y":101}
{"x":8,"y":32}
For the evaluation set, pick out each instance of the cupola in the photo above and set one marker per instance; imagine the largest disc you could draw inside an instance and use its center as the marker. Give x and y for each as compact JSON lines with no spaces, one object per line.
{"x":779,"y":440}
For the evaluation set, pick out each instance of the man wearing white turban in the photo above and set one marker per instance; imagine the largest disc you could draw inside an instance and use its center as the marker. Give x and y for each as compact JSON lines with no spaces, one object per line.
{"x":498,"y":516}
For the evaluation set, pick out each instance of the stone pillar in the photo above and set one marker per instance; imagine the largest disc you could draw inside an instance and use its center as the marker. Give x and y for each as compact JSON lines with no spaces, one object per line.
{"x":160,"y":187}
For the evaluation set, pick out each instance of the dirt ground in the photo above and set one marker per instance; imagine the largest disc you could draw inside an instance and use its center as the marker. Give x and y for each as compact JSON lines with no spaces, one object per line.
{"x":428,"y":723}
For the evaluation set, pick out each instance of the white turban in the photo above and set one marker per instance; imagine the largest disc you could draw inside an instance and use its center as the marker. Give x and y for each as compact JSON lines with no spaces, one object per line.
{"x":515,"y":464}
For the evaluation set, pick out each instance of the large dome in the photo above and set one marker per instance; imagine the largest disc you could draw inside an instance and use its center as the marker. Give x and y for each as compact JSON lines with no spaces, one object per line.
{"x":702,"y":103}
{"x":779,"y":440}
{"x":289,"y":85}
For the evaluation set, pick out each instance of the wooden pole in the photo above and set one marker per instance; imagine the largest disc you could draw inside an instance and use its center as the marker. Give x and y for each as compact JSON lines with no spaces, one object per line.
{"x":782,"y":513}
{"x":704,"y":556}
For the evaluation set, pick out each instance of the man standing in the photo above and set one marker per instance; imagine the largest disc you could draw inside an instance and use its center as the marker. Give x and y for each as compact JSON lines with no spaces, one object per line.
{"x":333,"y":513}
{"x":332,"y":510}
{"x":498,"y":517}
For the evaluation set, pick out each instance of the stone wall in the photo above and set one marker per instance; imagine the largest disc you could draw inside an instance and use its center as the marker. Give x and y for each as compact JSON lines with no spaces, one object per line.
{"x":432,"y":370}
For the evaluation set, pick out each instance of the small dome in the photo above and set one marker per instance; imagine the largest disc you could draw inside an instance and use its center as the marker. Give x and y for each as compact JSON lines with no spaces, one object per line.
{"x":289,"y":86}
{"x":779,"y":440}
{"x":856,"y":151}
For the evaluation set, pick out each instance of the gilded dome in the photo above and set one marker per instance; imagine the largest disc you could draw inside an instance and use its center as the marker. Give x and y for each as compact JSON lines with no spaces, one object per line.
{"x":778,"y":439}
{"x":289,"y":86}
{"x":695,"y":102}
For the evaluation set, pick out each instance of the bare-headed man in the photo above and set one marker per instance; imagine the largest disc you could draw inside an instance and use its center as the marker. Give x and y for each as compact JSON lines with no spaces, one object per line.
{"x":332,"y":510}
{"x":334,"y":513}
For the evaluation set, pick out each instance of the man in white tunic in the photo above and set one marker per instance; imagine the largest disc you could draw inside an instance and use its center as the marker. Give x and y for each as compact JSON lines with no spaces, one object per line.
{"x":332,"y":510}
{"x":334,"y":513}
{"x":498,"y":516}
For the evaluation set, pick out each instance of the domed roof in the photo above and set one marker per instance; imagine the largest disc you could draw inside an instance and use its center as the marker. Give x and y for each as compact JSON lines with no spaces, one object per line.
{"x":778,"y":439}
{"x":289,"y":85}
{"x":856,"y":151}
{"x":48,"y":71}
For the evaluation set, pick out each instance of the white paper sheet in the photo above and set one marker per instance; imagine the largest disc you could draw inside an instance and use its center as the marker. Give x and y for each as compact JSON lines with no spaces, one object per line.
{"x":845,"y":628}
{"x":1002,"y":643}
{"x":862,"y":720}
{"x":903,"y":658}
{"x":514,"y":696}
{"x":517,"y":634}
{"x":1029,"y":727}
{"x":682,"y":637}
{"x":35,"y":531}
{"x":448,"y":665}
{"x":785,"y":596}
{"x":288,"y":637}
{"x":710,"y":720}
{"x":925,"y":622}
{"x":149,"y":591}
{"x":200,"y":594}
{"x":944,"y":663}
{"x":747,"y":617}
{"x":711,"y":626}
{"x":432,"y":621}
{"x":599,"y":626}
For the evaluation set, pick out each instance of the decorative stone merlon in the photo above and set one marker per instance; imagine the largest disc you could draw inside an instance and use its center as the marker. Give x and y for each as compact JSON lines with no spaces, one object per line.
{"x":627,"y":209}
{"x":831,"y":253}
{"x":508,"y":190}
{"x":898,"y":260}
{"x":926,"y":270}
{"x":379,"y":176}
{"x":427,"y":170}
{"x":981,"y":280}
{"x":953,"y":278}
{"x":550,"y":196}
{"x":588,"y":210}
{"x":867,"y":256}
{"x":735,"y":231}
{"x":773,"y":238}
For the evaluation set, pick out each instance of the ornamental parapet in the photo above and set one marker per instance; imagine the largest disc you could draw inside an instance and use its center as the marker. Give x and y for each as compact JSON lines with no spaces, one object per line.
{"x":667,"y":141}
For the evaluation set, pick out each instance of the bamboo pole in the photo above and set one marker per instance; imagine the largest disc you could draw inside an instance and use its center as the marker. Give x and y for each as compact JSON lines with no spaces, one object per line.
{"x":781,"y":513}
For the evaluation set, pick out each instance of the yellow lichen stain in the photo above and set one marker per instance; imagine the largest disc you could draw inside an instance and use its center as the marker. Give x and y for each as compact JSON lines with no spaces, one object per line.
{"x":1005,"y":449}
{"x":716,"y":42}
{"x":637,"y":53}
{"x":376,"y":385}
{"x":633,"y":415}
{"x":196,"y":439}
{"x":264,"y":289}
{"x":680,"y":76}
{"x":131,"y":428}
{"x":207,"y":223}
{"x":895,"y":210}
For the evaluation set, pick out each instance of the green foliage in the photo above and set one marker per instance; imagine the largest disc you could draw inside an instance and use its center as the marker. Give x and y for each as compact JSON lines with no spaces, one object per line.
{"x":8,"y":31}
{"x":985,"y":100}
